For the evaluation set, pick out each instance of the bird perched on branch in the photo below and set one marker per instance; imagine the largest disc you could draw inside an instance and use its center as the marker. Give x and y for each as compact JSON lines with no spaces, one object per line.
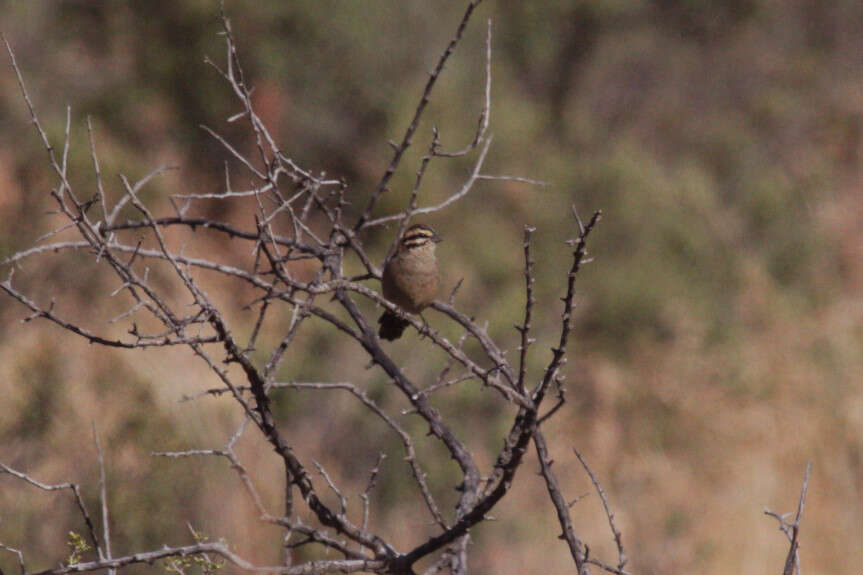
{"x":411,"y":278}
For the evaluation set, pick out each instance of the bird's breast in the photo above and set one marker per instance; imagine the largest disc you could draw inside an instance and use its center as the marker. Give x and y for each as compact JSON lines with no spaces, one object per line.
{"x":411,"y":282}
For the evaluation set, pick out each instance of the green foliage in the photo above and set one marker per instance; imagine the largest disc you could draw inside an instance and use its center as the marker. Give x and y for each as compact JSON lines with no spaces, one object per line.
{"x":195,"y":564}
{"x":202,"y":563}
{"x":77,"y":548}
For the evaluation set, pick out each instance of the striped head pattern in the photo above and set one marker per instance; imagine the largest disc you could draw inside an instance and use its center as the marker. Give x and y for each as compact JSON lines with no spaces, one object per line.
{"x":419,"y":236}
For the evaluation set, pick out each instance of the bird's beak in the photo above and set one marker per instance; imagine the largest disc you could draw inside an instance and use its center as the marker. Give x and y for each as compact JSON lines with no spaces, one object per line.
{"x":437,"y":239}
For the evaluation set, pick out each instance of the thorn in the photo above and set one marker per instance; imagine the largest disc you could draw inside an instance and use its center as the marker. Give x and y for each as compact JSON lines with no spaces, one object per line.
{"x":578,"y":220}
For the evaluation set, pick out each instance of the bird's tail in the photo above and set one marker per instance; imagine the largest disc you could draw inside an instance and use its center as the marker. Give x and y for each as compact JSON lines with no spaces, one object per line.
{"x":392,"y":326}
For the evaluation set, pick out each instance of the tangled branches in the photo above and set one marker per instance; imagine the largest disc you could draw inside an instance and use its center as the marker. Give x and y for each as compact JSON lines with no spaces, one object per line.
{"x":302,"y":217}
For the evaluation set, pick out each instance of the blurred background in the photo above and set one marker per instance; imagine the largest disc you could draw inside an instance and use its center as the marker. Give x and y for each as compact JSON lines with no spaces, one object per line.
{"x":718,"y":331}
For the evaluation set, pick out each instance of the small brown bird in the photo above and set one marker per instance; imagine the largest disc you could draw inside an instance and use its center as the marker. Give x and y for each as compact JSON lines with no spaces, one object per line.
{"x":411,"y":278}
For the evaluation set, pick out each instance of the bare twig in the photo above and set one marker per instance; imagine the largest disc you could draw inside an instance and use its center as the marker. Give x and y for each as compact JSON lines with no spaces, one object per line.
{"x":529,"y":301}
{"x":222,"y":550}
{"x":415,"y":122}
{"x":576,"y":547}
{"x":373,"y":479}
{"x":485,"y":114}
{"x":79,"y":501}
{"x":792,"y":529}
{"x":568,"y":302}
{"x":103,"y":498}
{"x":343,"y":502}
{"x":621,"y":554}
{"x":462,"y":192}
{"x":18,"y":554}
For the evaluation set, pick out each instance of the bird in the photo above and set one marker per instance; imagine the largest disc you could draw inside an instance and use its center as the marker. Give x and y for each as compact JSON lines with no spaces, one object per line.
{"x":411,"y":278}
